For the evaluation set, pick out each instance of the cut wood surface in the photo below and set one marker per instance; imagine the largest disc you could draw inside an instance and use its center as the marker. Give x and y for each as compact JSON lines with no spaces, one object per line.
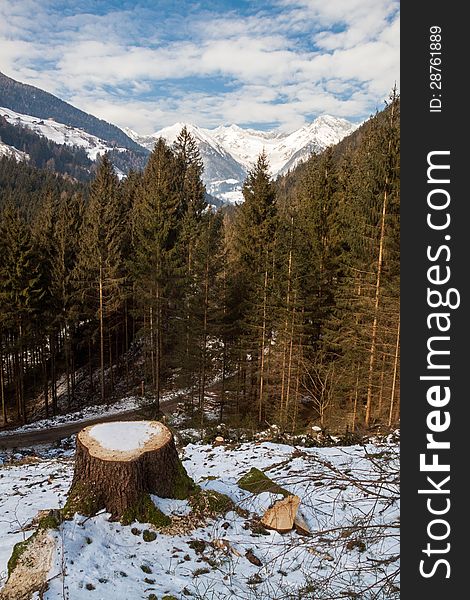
{"x":301,"y":525}
{"x":30,"y":572}
{"x":124,"y":440}
{"x":281,"y":515}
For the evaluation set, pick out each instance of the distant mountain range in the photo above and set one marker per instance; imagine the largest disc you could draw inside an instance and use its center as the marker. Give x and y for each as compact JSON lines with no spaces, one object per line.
{"x":228,"y":152}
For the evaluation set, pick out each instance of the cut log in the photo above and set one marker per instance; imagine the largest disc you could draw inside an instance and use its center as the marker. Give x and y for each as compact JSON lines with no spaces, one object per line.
{"x":117,"y":466}
{"x":29,"y":566}
{"x":281,"y":516}
{"x":300,"y":524}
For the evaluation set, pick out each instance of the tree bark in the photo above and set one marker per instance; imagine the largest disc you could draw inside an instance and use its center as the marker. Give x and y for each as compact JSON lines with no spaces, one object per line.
{"x":2,"y":390}
{"x":119,"y":481}
{"x":101,"y":319}
{"x":395,"y":371}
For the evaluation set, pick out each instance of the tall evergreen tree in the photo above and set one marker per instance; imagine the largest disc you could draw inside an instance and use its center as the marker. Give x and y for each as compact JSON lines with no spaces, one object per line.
{"x":99,"y":272}
{"x":154,"y":262}
{"x":21,"y":290}
{"x":255,"y":247}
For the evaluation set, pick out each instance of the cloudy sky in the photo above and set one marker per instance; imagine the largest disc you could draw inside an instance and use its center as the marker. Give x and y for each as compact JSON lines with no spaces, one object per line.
{"x":148,"y":64}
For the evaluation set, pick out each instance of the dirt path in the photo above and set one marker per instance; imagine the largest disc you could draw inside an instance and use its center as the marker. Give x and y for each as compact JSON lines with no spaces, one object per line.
{"x":53,"y":434}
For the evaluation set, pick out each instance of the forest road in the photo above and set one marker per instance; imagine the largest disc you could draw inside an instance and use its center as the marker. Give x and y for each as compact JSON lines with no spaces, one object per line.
{"x":53,"y":434}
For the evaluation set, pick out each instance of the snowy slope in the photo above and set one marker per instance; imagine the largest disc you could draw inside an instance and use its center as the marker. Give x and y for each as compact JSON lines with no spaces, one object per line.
{"x":349,"y":500}
{"x":59,"y":133}
{"x":229,"y":152}
{"x":10,"y":151}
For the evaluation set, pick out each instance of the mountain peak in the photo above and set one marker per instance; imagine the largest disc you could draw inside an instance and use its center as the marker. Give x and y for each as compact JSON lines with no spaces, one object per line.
{"x":229,"y":151}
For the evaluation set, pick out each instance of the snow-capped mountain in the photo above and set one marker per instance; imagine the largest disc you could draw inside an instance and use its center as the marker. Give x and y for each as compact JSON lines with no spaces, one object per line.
{"x":220,"y":166}
{"x":29,"y":100}
{"x":228,"y":152}
{"x":60,"y":133}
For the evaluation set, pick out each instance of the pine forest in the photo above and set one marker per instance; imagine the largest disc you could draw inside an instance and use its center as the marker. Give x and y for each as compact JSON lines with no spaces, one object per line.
{"x":285,"y":306}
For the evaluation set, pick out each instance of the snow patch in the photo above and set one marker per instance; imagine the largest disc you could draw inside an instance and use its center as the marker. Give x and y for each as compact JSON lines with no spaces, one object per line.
{"x":60,"y":133}
{"x":170,"y":506}
{"x":12,"y":152}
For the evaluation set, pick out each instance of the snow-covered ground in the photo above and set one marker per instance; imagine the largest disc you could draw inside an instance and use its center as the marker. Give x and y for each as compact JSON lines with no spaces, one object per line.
{"x":349,"y":499}
{"x":85,"y":414}
{"x":12,"y":152}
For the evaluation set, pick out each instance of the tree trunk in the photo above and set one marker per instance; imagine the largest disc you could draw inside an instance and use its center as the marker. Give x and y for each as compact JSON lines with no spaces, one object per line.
{"x":119,"y":480}
{"x":101,"y":319}
{"x":202,"y":392}
{"x":373,"y":346}
{"x":263,"y":342}
{"x":395,"y":371}
{"x":2,"y":390}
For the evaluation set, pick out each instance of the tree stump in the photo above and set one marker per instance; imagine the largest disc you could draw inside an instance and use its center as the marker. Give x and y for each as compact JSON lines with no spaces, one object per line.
{"x":117,"y":466}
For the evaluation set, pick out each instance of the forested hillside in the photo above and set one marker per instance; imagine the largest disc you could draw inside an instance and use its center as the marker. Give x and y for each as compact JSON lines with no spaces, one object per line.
{"x":31,"y":100}
{"x":45,"y":154}
{"x":290,"y":300}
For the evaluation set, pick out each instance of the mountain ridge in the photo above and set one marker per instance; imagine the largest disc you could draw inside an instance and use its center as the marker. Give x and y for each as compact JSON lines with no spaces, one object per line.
{"x":229,"y":151}
{"x":35,"y":102}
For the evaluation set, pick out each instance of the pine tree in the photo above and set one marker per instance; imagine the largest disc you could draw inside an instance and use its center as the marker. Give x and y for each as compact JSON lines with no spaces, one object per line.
{"x":21,"y":291}
{"x":154,"y":262}
{"x":254,"y":247}
{"x":368,"y":335}
{"x":100,"y":264}
{"x":191,"y":211}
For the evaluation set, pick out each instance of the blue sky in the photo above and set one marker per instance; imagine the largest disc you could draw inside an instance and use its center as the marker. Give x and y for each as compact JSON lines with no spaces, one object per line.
{"x":149,"y":64}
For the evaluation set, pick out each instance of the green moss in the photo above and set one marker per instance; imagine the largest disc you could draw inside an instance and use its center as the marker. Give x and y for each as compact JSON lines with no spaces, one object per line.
{"x":184,"y":486}
{"x":169,"y":597}
{"x":51,"y":520}
{"x":210,"y":502}
{"x":149,"y":536}
{"x":18,"y":550}
{"x":256,"y":482}
{"x":258,"y":529}
{"x":198,"y":546}
{"x":83,"y":500}
{"x":145,"y":511}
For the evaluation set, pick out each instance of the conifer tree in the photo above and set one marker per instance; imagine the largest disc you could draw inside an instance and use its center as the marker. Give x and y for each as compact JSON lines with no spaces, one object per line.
{"x":21,"y":291}
{"x":154,"y":262}
{"x":99,"y":272}
{"x":190,"y":214}
{"x":255,"y":245}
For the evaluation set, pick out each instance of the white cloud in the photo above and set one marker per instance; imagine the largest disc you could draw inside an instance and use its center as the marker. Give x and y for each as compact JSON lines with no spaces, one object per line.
{"x":284,"y":66}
